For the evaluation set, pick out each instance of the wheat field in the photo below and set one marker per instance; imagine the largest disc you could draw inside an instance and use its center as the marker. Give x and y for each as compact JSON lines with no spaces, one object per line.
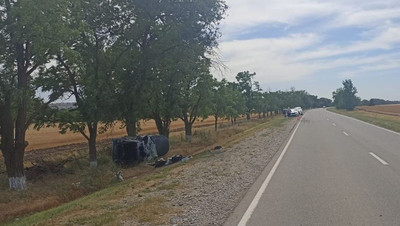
{"x":50,"y":137}
{"x":393,"y":109}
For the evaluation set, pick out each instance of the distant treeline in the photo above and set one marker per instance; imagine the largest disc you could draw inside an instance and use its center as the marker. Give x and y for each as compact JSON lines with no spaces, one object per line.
{"x":376,"y":101}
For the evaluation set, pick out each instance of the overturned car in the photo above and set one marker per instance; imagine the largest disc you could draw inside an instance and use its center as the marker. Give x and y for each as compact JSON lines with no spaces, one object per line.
{"x":128,"y":150}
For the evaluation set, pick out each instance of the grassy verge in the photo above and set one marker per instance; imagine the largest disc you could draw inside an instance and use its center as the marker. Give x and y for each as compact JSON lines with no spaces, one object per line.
{"x":141,"y":196}
{"x":386,"y":121}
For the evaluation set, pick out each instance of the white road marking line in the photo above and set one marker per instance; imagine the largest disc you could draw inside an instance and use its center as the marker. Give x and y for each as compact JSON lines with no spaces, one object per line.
{"x":379,"y":159}
{"x":254,"y":203}
{"x":387,"y":130}
{"x":333,"y":124}
{"x":345,"y":133}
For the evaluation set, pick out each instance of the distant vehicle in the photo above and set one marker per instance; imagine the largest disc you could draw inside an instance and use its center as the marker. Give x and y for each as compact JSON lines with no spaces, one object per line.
{"x":292,"y":113}
{"x":299,"y":110}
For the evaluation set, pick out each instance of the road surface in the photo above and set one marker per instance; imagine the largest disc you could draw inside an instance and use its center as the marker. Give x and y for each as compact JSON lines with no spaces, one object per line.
{"x":335,"y":171}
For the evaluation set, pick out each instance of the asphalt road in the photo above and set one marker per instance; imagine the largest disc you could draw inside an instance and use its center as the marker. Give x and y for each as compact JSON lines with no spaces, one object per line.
{"x":335,"y":171}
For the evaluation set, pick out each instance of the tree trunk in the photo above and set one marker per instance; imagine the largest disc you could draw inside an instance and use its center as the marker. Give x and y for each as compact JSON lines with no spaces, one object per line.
{"x":248,"y":115}
{"x":216,"y":122}
{"x":188,"y":131}
{"x":13,"y":158}
{"x":163,"y":125}
{"x":131,"y":122}
{"x":13,"y":138}
{"x":264,"y":114}
{"x":92,"y":144}
{"x":234,"y":120}
{"x":15,"y":171}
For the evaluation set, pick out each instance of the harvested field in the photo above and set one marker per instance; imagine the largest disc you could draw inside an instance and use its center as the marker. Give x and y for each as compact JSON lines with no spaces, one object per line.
{"x":50,"y":137}
{"x":382,"y":109}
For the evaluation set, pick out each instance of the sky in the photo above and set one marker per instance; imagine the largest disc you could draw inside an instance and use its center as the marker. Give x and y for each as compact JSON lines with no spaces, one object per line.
{"x":314,"y":45}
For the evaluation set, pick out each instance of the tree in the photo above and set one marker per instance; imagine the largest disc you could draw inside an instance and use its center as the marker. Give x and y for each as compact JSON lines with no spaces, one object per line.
{"x":165,"y":91}
{"x":349,"y":94}
{"x":139,"y":54}
{"x":345,"y":97}
{"x":30,"y":33}
{"x":245,"y":85}
{"x":338,"y":98}
{"x":85,"y":68}
{"x":226,"y":101}
{"x":187,"y":34}
{"x":195,"y":89}
{"x":238,"y":105}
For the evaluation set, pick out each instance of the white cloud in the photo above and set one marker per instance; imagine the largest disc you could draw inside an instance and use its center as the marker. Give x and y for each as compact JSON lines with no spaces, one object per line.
{"x":368,"y":18}
{"x":245,"y":14}
{"x":251,"y":13}
{"x":270,"y":58}
{"x":383,"y":41}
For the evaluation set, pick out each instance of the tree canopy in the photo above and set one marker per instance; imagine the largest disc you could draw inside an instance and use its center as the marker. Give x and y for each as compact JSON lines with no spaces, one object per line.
{"x":345,"y":97}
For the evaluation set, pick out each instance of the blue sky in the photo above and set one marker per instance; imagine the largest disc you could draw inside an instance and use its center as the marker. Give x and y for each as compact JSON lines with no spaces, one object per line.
{"x":314,"y":45}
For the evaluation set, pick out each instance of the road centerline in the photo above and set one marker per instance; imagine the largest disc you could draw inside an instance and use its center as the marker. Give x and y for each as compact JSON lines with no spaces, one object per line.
{"x":345,"y":133}
{"x":379,"y":159}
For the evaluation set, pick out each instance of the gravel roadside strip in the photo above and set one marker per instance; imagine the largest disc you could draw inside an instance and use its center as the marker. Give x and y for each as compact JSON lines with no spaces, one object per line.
{"x":215,"y":185}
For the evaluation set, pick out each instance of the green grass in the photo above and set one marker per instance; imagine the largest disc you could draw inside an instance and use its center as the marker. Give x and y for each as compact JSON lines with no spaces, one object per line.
{"x":385,"y":121}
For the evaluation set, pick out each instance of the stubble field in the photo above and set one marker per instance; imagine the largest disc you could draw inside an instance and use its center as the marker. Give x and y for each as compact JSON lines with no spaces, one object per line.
{"x":382,"y":109}
{"x":50,"y":137}
{"x":386,"y":116}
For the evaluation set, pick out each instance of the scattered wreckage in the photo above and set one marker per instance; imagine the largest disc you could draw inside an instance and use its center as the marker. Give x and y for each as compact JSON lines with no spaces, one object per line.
{"x":173,"y":159}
